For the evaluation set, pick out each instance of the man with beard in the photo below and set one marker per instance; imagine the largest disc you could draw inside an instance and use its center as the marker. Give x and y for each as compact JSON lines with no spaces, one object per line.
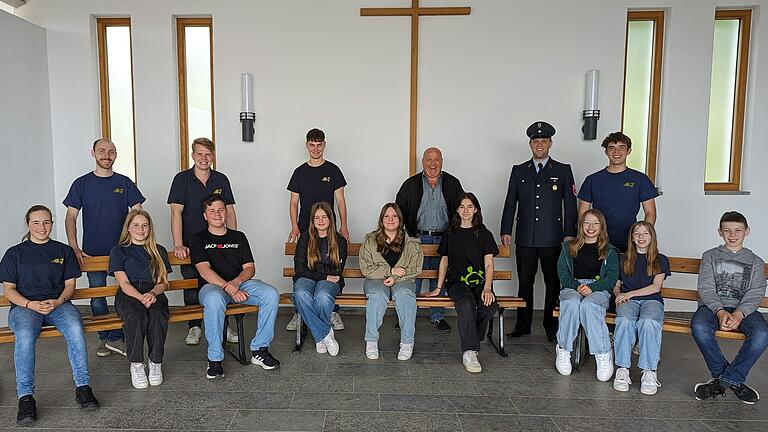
{"x":105,"y":197}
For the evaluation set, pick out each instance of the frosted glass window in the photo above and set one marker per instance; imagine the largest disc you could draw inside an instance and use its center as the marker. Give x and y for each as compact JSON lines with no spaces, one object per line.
{"x":721,"y":100}
{"x":195,"y":65}
{"x":120,"y":97}
{"x":637,"y":90}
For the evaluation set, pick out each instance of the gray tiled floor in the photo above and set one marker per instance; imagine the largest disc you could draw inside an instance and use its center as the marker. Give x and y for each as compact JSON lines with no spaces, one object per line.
{"x":316,"y":392}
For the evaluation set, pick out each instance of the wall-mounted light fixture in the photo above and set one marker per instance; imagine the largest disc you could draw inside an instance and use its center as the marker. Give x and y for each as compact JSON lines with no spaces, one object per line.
{"x":247,"y":116}
{"x":591,"y":114}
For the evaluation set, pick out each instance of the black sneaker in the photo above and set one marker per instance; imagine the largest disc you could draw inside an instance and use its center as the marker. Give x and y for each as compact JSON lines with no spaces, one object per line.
{"x":709,"y":389}
{"x":516,"y":333}
{"x":215,"y":370}
{"x":442,"y":325}
{"x":745,"y":393}
{"x":27,"y":411}
{"x":84,"y":396}
{"x":263,"y":358}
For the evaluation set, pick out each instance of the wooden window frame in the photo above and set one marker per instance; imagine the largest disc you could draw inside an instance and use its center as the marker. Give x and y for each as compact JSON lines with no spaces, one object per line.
{"x":740,"y":98}
{"x":101,"y":46}
{"x":181,"y":56}
{"x":654,"y":104}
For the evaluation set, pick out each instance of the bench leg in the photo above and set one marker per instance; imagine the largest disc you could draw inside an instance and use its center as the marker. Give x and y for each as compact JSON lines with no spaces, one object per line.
{"x":579,"y":350}
{"x":241,"y":356}
{"x":500,"y":347}
{"x":299,"y":336}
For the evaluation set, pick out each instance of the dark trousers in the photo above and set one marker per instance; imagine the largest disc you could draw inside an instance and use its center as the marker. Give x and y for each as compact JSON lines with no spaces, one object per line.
{"x":139,"y":323}
{"x":190,"y":295}
{"x":472,"y":315}
{"x":528,"y":259}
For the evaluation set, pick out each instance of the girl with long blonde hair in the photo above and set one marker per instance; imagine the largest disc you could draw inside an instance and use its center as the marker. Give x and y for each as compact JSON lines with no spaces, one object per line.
{"x":141,"y":268}
{"x":588,"y":268}
{"x":319,"y":261}
{"x":640,"y":308}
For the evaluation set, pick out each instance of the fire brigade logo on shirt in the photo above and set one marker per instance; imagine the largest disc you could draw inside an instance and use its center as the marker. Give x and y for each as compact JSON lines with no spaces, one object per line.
{"x":326,"y":179}
{"x":217,"y":191}
{"x":473,"y":278}
{"x":222,"y":246}
{"x":629,"y":184}
{"x":118,"y":190}
{"x":58,"y":260}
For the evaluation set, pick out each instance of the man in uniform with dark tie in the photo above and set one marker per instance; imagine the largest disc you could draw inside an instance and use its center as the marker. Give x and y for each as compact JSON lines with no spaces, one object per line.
{"x":542,"y":192}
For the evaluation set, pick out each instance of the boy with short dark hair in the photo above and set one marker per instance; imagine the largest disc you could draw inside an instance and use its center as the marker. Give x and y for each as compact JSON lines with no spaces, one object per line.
{"x":731,"y":286}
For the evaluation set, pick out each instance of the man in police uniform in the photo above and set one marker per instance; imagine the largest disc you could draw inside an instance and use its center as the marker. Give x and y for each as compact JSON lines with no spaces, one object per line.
{"x":543,"y":192}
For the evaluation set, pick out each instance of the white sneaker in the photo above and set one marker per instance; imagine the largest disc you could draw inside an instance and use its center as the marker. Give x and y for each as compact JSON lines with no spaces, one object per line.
{"x":604,"y":366}
{"x":406,"y":351}
{"x":193,"y":337}
{"x":563,"y":361}
{"x":155,"y":373}
{"x":138,"y":376}
{"x":649,"y":383}
{"x":622,"y":380}
{"x":293,"y":323}
{"x":471,"y":364}
{"x":232,"y":336}
{"x":336,"y":321}
{"x":321,"y":348}
{"x":372,"y":350}
{"x":331,"y":344}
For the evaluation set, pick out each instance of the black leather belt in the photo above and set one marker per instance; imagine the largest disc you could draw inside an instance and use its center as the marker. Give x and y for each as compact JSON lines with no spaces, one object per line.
{"x":429,"y":233}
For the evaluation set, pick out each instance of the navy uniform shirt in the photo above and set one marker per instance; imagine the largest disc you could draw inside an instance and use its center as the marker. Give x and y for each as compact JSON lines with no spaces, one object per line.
{"x":189,"y":191}
{"x":135,"y":261}
{"x":640,"y":277}
{"x":39,"y":270}
{"x":315,"y":184}
{"x":105,"y":202}
{"x":545,"y":204}
{"x":618,"y":196}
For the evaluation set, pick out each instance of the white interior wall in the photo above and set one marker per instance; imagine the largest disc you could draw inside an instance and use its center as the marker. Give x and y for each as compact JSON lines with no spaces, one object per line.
{"x":483,"y":79}
{"x":27,"y":175}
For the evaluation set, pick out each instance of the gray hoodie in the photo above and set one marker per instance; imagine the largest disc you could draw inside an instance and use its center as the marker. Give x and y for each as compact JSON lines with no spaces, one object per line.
{"x":731,"y":279}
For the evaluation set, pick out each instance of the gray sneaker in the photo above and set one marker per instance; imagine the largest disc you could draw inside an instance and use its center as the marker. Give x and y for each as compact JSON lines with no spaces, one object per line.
{"x":102,"y":350}
{"x":117,"y":346}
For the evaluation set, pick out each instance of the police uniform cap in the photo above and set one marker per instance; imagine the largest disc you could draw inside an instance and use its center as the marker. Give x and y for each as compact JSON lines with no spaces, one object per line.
{"x":540,"y":129}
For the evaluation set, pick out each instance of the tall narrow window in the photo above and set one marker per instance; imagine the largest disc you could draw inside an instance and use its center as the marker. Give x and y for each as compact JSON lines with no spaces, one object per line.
{"x":194,"y":43}
{"x":116,"y":90}
{"x":642,"y":87}
{"x":727,"y":100}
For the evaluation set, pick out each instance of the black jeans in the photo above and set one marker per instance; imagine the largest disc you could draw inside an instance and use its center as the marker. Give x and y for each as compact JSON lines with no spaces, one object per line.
{"x":473,"y":315}
{"x":190,"y":295}
{"x":528,"y":259}
{"x":140,"y":322}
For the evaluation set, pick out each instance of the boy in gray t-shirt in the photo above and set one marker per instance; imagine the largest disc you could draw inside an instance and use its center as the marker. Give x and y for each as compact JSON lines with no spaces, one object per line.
{"x":731,"y":286}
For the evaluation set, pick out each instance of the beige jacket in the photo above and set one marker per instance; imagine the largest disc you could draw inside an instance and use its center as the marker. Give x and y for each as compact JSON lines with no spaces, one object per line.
{"x":374,"y":266}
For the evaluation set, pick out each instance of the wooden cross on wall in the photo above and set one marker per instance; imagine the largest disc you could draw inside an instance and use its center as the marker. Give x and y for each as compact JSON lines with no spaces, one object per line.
{"x":414,"y":12}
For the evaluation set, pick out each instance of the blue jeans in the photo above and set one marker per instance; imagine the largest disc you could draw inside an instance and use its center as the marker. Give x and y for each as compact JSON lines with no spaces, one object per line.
{"x":704,"y":324}
{"x":26,"y":323}
{"x":589,"y":311}
{"x":314,"y":300}
{"x":404,"y":295}
{"x":431,"y":263}
{"x":215,"y":301}
{"x":99,"y":306}
{"x":641,"y":321}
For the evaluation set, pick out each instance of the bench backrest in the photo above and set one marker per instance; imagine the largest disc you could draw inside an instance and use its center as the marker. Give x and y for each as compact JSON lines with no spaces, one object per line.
{"x":691,"y":266}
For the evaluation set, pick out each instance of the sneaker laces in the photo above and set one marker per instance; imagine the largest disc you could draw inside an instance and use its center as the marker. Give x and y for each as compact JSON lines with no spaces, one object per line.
{"x":622,"y":374}
{"x":649,"y":378}
{"x":603,"y":361}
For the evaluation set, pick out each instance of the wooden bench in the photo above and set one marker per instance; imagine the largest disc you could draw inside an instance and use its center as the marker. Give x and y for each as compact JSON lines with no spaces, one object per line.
{"x":112,"y":321}
{"x":670,"y":324}
{"x":359,"y":300}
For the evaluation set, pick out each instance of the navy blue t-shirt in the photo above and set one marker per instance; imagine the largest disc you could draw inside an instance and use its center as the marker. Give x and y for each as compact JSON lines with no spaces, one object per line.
{"x":618,"y":196}
{"x":315,"y":184}
{"x":640,"y":278}
{"x":189,"y":191}
{"x":134,"y":260}
{"x":226,"y":253}
{"x":39,"y":270}
{"x":104,"y":202}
